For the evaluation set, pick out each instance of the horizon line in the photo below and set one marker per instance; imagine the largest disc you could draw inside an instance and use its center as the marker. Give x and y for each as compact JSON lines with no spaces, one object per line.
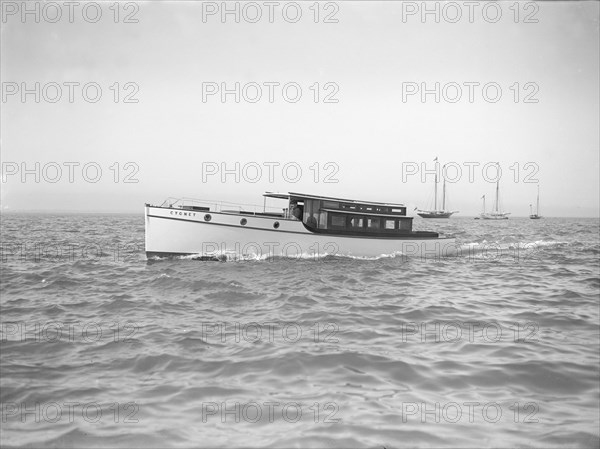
{"x":72,"y":211}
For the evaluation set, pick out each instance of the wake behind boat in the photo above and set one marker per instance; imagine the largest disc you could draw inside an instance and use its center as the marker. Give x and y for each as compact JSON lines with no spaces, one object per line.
{"x":309,"y":225}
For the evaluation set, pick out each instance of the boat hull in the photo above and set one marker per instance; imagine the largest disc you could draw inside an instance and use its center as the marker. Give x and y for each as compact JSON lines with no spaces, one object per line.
{"x":175,"y":232}
{"x":494,"y":217}
{"x":435,"y":215}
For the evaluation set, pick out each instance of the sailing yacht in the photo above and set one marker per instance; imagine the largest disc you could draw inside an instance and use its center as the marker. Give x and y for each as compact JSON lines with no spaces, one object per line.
{"x":495,"y":214}
{"x":537,"y":215}
{"x":435,"y":213}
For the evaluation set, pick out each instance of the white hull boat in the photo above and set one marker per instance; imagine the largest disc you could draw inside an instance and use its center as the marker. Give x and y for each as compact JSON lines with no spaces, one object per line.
{"x":310,"y":226}
{"x":493,"y":216}
{"x":537,"y":215}
{"x":497,"y":213}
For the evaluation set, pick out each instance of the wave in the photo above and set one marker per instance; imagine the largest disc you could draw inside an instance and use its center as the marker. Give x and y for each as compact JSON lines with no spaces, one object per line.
{"x":462,"y":250}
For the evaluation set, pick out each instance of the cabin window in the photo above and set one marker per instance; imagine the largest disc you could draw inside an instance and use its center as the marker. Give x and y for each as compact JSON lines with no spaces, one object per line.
{"x":338,"y":221}
{"x":356,"y":222}
{"x":390,"y":224}
{"x":373,"y":223}
{"x":323,"y":220}
{"x":331,"y":205}
{"x":311,"y":213}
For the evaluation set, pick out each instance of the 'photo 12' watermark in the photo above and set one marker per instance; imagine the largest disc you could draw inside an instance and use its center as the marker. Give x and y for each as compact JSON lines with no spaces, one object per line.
{"x":69,"y":412}
{"x":69,"y":172}
{"x":269,"y":92}
{"x":469,"y":331}
{"x":69,"y":92}
{"x":270,"y":12}
{"x":61,"y":252}
{"x":287,"y":332}
{"x":269,"y":171}
{"x":69,"y":12}
{"x":468,"y":412}
{"x":469,"y":92}
{"x":471,"y":171}
{"x":270,"y":412}
{"x":470,"y":12}
{"x":68,"y":332}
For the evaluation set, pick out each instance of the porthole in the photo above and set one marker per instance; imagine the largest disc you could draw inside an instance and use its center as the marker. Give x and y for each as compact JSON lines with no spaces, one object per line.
{"x":243,"y":222}
{"x":276,"y":224}
{"x":207,"y":217}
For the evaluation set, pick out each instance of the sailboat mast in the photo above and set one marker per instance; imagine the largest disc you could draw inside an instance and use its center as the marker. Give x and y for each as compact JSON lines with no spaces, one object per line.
{"x":483,"y":203}
{"x":497,"y":193}
{"x":444,"y":195}
{"x":435,"y":189}
{"x":537,"y":210}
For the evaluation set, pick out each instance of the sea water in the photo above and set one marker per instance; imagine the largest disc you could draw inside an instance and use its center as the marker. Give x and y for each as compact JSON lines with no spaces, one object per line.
{"x":497,"y":346}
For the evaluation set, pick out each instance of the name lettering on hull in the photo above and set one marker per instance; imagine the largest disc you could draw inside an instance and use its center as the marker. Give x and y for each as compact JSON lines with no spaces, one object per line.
{"x":185,"y":214}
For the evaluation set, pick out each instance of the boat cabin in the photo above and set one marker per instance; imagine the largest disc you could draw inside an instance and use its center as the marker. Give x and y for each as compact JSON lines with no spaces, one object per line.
{"x":340,"y":216}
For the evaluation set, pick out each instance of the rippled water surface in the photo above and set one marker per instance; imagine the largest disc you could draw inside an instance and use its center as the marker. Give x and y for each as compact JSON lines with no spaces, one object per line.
{"x":498,"y":347}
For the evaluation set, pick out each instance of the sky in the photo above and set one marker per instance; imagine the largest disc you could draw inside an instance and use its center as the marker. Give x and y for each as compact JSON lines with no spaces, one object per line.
{"x":152,"y":123}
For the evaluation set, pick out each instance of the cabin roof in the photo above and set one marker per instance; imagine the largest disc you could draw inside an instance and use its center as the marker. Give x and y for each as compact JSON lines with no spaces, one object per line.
{"x":367,"y":214}
{"x":304,"y":196}
{"x":279,"y":196}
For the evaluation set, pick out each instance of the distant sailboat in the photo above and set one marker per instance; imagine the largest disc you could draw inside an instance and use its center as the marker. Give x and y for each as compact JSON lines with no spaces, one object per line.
{"x":435,"y":213}
{"x":496,"y":214}
{"x":483,"y":210}
{"x":537,"y":215}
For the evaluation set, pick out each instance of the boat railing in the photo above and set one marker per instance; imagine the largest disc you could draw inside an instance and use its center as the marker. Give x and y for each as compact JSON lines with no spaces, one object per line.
{"x":223,"y":206}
